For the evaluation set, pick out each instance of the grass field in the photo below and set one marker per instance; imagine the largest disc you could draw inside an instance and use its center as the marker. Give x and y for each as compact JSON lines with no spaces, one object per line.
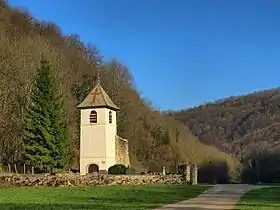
{"x":106,"y":197}
{"x":261,"y":199}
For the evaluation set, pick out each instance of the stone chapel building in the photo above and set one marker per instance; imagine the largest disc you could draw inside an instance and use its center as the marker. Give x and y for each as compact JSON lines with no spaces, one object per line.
{"x":100,"y":147}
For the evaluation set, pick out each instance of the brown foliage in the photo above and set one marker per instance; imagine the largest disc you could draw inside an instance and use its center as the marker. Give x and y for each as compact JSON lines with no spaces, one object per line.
{"x":154,"y":139}
{"x":244,"y":126}
{"x":241,"y":126}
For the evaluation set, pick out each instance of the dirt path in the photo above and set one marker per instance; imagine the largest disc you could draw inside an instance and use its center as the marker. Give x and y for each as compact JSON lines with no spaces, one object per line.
{"x":219,"y":197}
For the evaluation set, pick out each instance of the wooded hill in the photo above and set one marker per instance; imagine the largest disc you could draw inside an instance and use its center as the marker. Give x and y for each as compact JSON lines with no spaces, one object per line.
{"x":154,"y":139}
{"x":246,"y":126}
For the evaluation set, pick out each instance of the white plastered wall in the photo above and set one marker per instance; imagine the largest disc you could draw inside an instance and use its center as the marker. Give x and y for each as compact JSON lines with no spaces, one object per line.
{"x":97,"y":140}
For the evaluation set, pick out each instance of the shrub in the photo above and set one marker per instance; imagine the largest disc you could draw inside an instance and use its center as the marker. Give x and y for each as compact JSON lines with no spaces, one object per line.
{"x":117,"y":169}
{"x":59,"y":171}
{"x":235,"y":171}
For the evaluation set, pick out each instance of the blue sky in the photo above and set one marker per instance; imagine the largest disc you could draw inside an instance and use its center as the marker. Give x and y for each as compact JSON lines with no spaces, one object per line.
{"x":191,"y":51}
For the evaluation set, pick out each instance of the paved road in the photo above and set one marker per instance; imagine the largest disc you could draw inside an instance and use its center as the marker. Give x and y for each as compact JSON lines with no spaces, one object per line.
{"x":219,"y":197}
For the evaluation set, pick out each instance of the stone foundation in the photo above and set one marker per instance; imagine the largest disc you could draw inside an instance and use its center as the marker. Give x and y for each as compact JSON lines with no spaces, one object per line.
{"x":68,"y":180}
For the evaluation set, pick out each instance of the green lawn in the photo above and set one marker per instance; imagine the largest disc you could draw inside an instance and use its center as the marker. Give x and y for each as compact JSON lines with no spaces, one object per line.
{"x":261,"y":199}
{"x":106,"y":197}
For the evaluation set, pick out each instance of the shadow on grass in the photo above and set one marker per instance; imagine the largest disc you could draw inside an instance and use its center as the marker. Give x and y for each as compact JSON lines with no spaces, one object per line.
{"x":117,"y":197}
{"x":265,"y":198}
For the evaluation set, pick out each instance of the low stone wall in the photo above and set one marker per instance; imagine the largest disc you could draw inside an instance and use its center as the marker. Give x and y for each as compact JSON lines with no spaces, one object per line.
{"x":68,"y":180}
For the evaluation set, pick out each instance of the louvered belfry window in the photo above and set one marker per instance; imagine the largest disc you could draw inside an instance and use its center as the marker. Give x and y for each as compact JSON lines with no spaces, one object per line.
{"x":110,"y":117}
{"x":93,"y":117}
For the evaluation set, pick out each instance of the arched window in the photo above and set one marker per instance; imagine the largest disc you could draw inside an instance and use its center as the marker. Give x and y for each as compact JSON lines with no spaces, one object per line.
{"x":110,"y":117}
{"x":93,"y":117}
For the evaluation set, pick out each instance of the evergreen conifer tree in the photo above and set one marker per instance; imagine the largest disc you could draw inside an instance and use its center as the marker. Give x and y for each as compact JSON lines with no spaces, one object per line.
{"x":46,"y":132}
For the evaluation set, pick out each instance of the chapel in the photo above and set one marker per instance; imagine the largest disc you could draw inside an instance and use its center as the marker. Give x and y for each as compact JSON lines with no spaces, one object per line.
{"x":100,"y":146}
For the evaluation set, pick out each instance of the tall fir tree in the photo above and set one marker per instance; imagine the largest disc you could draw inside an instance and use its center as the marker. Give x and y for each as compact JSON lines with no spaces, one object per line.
{"x":46,"y":132}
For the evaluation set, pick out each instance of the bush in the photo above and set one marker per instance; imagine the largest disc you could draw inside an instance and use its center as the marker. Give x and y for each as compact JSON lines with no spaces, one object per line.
{"x":117,"y":169}
{"x":59,"y":171}
{"x":235,"y":171}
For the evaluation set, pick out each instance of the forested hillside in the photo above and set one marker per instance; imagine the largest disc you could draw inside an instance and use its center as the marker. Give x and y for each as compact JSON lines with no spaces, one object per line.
{"x":154,"y":139}
{"x":245,"y":126}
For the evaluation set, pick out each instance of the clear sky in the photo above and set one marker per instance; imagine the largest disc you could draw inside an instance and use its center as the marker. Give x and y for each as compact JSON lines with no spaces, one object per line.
{"x":181,"y":52}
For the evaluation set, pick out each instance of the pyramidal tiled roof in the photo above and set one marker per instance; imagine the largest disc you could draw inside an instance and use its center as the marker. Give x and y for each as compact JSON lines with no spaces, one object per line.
{"x":98,"y":98}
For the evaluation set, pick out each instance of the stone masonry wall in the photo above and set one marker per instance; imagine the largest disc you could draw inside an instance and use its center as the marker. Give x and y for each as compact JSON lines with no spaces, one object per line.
{"x":68,"y":180}
{"x":122,"y":154}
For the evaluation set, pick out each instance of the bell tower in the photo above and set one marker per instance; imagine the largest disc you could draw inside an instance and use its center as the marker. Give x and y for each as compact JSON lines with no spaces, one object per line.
{"x":98,"y":130}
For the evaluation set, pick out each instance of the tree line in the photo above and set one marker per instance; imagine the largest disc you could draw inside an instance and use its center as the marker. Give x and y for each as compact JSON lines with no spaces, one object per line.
{"x":155,"y":140}
{"x":246,"y":127}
